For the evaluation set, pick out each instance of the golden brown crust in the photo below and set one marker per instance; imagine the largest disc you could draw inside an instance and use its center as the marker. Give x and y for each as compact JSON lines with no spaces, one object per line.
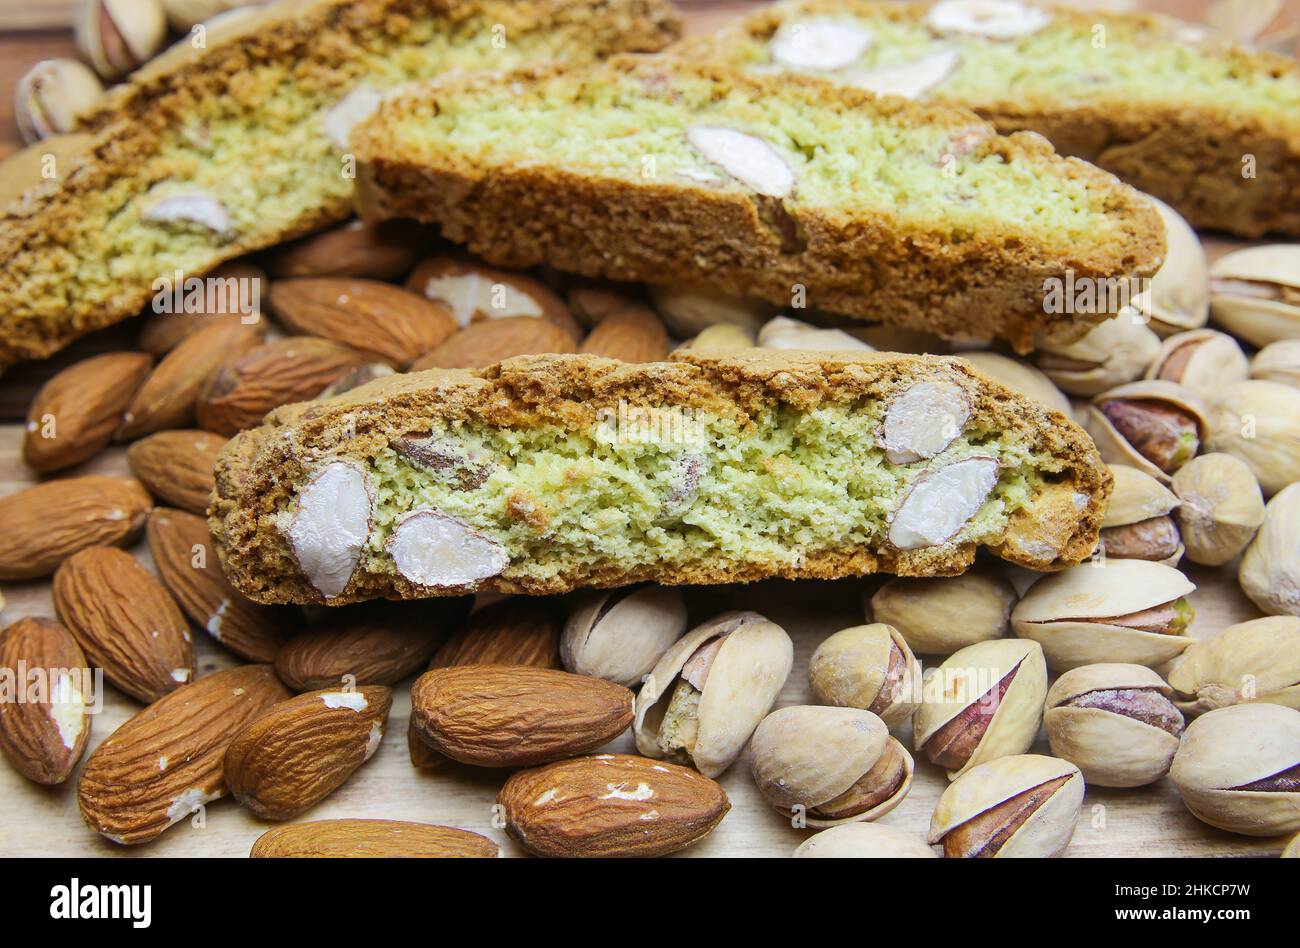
{"x":259,"y":471}
{"x":64,"y":274}
{"x":530,"y":212}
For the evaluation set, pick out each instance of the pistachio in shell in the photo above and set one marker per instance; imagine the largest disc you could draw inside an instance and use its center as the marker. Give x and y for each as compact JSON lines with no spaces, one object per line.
{"x":1025,"y":805}
{"x":984,"y":702}
{"x":863,"y":841}
{"x":1178,"y":297}
{"x":1202,"y":361}
{"x":1278,"y":362}
{"x":1254,"y":661}
{"x":1020,"y":377}
{"x":1220,"y":507}
{"x":937,"y":615}
{"x":1112,"y":353}
{"x":1270,"y":569}
{"x":827,"y":766}
{"x":1290,"y":851}
{"x":1238,"y":769}
{"x":1139,"y":523}
{"x":868,"y":667}
{"x":1255,"y":293}
{"x":1259,"y":423}
{"x":1129,"y":611}
{"x":704,"y":697}
{"x":1153,"y":425}
{"x":620,"y":634}
{"x":1115,"y":722}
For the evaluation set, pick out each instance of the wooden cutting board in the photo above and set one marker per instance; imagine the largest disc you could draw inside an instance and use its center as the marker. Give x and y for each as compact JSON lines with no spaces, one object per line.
{"x":42,"y":821}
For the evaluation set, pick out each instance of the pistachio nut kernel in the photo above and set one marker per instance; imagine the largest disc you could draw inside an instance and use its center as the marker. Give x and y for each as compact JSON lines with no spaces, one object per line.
{"x":1203,"y":361}
{"x":1020,"y":377}
{"x":1255,"y":293}
{"x":1178,"y":297}
{"x":939,"y":615}
{"x":704,"y":697}
{"x":1270,"y":569}
{"x":863,"y":841}
{"x":1254,"y":661}
{"x":868,"y":667}
{"x":1155,"y":426}
{"x":1238,"y":769}
{"x":1115,"y":722}
{"x":1128,"y":611}
{"x":619,"y":635}
{"x":1221,"y":507}
{"x":1138,"y":523}
{"x":52,"y":96}
{"x":1025,"y":805}
{"x":829,"y":765}
{"x":984,"y":702}
{"x":1113,"y":353}
{"x":1156,"y":539}
{"x":1278,"y":362}
{"x":1259,"y":423}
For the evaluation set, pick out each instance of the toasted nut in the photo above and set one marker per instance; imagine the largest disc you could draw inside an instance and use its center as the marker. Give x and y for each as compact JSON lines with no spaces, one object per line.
{"x":1113,"y":353}
{"x":44,"y":735}
{"x":921,"y":520}
{"x":382,"y":250}
{"x":476,"y":292}
{"x":1278,"y":362}
{"x":781,"y":332}
{"x":347,"y":113}
{"x":591,"y":301}
{"x":939,"y":615}
{"x":992,"y":19}
{"x":721,"y":338}
{"x":1115,"y":722}
{"x":177,"y":466}
{"x":373,"y":839}
{"x":190,"y":208}
{"x":119,"y":35}
{"x":688,"y":310}
{"x":52,"y":96}
{"x":232,"y":293}
{"x":435,"y":551}
{"x":1020,"y":377}
{"x":863,"y":841}
{"x":1259,"y":423}
{"x":1220,"y":507}
{"x":621,"y":635}
{"x":492,"y":340}
{"x":1270,"y":569}
{"x":1156,"y":540}
{"x":819,"y":43}
{"x":912,"y":79}
{"x":923,"y":420}
{"x":331,"y":525}
{"x":868,"y":667}
{"x":1178,"y":298}
{"x":1255,"y":293}
{"x":1138,"y":523}
{"x":633,"y":334}
{"x":1155,"y":426}
{"x":1203,"y":361}
{"x":749,"y":159}
{"x":1251,"y":661}
{"x":1021,"y":806}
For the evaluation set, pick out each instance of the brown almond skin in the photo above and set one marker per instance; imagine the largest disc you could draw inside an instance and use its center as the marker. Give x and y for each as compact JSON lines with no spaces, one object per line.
{"x":125,"y":622}
{"x":553,"y":308}
{"x":162,"y":332}
{"x":379,"y":839}
{"x":254,"y":381}
{"x":168,"y":397}
{"x":515,"y":715}
{"x":186,"y":559}
{"x":124,"y":793}
{"x":300,"y":751}
{"x":984,"y":835}
{"x":632,"y":334}
{"x":85,"y":403}
{"x":29,"y":736}
{"x":610,"y":805}
{"x":45,"y":524}
{"x":491,"y":340}
{"x":377,"y":643}
{"x":394,"y":324}
{"x":177,"y":466}
{"x":384,"y":250}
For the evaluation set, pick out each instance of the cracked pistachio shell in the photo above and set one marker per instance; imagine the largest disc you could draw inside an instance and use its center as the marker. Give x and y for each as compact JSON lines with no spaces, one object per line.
{"x":807,"y":755}
{"x":1203,"y":361}
{"x":1179,"y":294}
{"x":1255,"y":661}
{"x":1270,"y":570}
{"x":1137,"y":496}
{"x":1232,"y":747}
{"x":1278,"y":362}
{"x":863,"y":841}
{"x":966,"y":677}
{"x":1114,"y":447}
{"x":1047,"y":831}
{"x":1114,"y":352}
{"x":619,"y":635}
{"x":1255,"y":293}
{"x":849,"y":668}
{"x":1259,"y":424}
{"x":1020,"y":377}
{"x":1221,"y":507}
{"x":1066,"y":613}
{"x":937,"y":615}
{"x":1112,"y":750}
{"x":751,"y":666}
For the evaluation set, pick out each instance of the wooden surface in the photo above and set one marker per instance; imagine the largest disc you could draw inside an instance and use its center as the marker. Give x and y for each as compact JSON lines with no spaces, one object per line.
{"x":44,"y":821}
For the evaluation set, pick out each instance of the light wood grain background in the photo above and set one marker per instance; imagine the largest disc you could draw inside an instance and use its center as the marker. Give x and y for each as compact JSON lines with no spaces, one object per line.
{"x":44,"y":821}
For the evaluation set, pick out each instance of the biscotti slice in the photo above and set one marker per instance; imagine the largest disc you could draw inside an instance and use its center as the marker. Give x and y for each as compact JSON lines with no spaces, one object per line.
{"x":543,"y":474}
{"x":783,"y":188}
{"x":1176,"y":110}
{"x":207,"y":154}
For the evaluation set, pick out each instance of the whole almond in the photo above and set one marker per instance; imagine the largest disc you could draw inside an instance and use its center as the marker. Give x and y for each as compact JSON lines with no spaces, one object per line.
{"x":474,"y":291}
{"x":177,"y":466}
{"x":43,"y":730}
{"x":264,"y":377}
{"x":228,"y":292}
{"x":492,"y":340}
{"x":394,"y":324}
{"x":610,"y":805}
{"x":186,"y":559}
{"x":168,"y":397}
{"x":125,"y":622}
{"x":376,"y":643}
{"x":42,"y":526}
{"x":300,"y":751}
{"x":632,"y":334}
{"x":167,"y":761}
{"x":592,"y":301}
{"x":516,"y":715}
{"x":383,"y":250}
{"x":382,"y":839}
{"x":73,"y":416}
